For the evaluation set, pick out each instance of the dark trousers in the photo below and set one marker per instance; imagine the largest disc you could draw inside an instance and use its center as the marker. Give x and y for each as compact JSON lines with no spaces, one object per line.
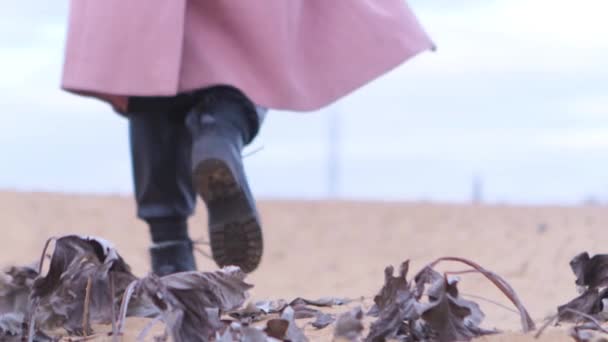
{"x":161,"y":160}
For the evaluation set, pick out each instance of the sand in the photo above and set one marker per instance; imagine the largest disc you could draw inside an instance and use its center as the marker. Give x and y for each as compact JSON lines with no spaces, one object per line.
{"x":337,"y":248}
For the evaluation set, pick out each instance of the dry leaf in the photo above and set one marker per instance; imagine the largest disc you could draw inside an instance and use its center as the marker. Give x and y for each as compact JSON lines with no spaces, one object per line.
{"x":249,"y":314}
{"x":60,"y":293}
{"x":277,"y":328}
{"x":302,"y":311}
{"x":294,"y":333}
{"x":451,"y":318}
{"x":11,"y":325}
{"x":12,"y":328}
{"x":526,"y":321}
{"x":270,"y":307}
{"x":322,"y":320}
{"x":322,"y":302}
{"x":590,"y":272}
{"x":395,"y":304}
{"x":589,"y":303}
{"x":224,"y":289}
{"x":349,"y":325}
{"x":15,"y":287}
{"x":191,"y":302}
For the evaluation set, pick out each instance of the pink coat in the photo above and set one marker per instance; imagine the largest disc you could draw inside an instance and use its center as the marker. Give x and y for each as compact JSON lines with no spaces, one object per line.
{"x":284,"y":54}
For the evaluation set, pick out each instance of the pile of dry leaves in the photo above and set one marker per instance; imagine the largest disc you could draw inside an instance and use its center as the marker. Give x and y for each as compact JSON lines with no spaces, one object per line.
{"x":589,"y":310}
{"x":88,"y":283}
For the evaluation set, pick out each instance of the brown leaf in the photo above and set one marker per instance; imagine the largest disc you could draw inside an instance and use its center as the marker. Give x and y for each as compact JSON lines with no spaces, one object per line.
{"x":277,"y":328}
{"x":395,"y":304}
{"x":250,"y":313}
{"x":60,"y":293}
{"x":191,"y":302}
{"x":12,"y":328}
{"x":260,"y":311}
{"x":526,"y":321}
{"x":349,"y":325}
{"x":321,"y":302}
{"x":15,"y":287}
{"x":302,"y":311}
{"x":591,"y":272}
{"x":322,"y":320}
{"x":393,"y":286}
{"x":270,"y":307}
{"x":451,"y":318}
{"x":589,"y":302}
{"x":224,"y":289}
{"x":11,"y":325}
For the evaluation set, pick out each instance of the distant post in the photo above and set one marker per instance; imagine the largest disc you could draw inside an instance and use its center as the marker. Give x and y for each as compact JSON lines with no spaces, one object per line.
{"x":477,"y":190}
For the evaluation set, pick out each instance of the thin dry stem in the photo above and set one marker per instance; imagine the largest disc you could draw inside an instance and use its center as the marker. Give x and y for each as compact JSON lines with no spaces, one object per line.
{"x":591,"y":319}
{"x":32,"y":320}
{"x":113,"y":309}
{"x":146,"y":330}
{"x":552,"y":319}
{"x":526,"y":321}
{"x":86,"y":327}
{"x":545,"y":325}
{"x":42,"y":256}
{"x":490,"y":301}
{"x":124,"y":306}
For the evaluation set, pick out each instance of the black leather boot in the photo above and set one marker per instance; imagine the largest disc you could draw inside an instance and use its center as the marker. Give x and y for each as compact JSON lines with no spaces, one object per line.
{"x":221,"y":124}
{"x":170,"y":257}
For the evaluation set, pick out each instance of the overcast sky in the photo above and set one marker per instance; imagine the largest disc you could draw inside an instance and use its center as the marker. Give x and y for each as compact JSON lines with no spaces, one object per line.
{"x":516,"y":94}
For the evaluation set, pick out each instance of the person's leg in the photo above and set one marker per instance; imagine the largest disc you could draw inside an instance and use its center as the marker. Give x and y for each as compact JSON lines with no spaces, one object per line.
{"x":222,"y":123}
{"x":161,"y":152}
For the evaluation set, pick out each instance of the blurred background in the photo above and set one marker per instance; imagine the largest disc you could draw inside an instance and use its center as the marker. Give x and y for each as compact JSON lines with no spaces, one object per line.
{"x":512,"y":108}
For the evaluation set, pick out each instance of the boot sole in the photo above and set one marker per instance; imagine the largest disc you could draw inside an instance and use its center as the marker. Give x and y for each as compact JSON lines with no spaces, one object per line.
{"x":234,"y":230}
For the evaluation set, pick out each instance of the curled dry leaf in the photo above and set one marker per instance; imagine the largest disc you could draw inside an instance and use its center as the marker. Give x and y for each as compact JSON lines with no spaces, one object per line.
{"x":450,"y":317}
{"x":15,"y":287}
{"x":12,"y":328}
{"x":61,"y":292}
{"x":591,"y":272}
{"x":526,"y":321}
{"x":322,"y":320}
{"x":270,"y":307}
{"x":591,"y":275}
{"x":11,"y":324}
{"x":191,"y":302}
{"x":258,"y":311}
{"x":589,"y":302}
{"x":303,"y":311}
{"x":249,"y":314}
{"x":321,"y":302}
{"x":349,"y":325}
{"x":395,"y":306}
